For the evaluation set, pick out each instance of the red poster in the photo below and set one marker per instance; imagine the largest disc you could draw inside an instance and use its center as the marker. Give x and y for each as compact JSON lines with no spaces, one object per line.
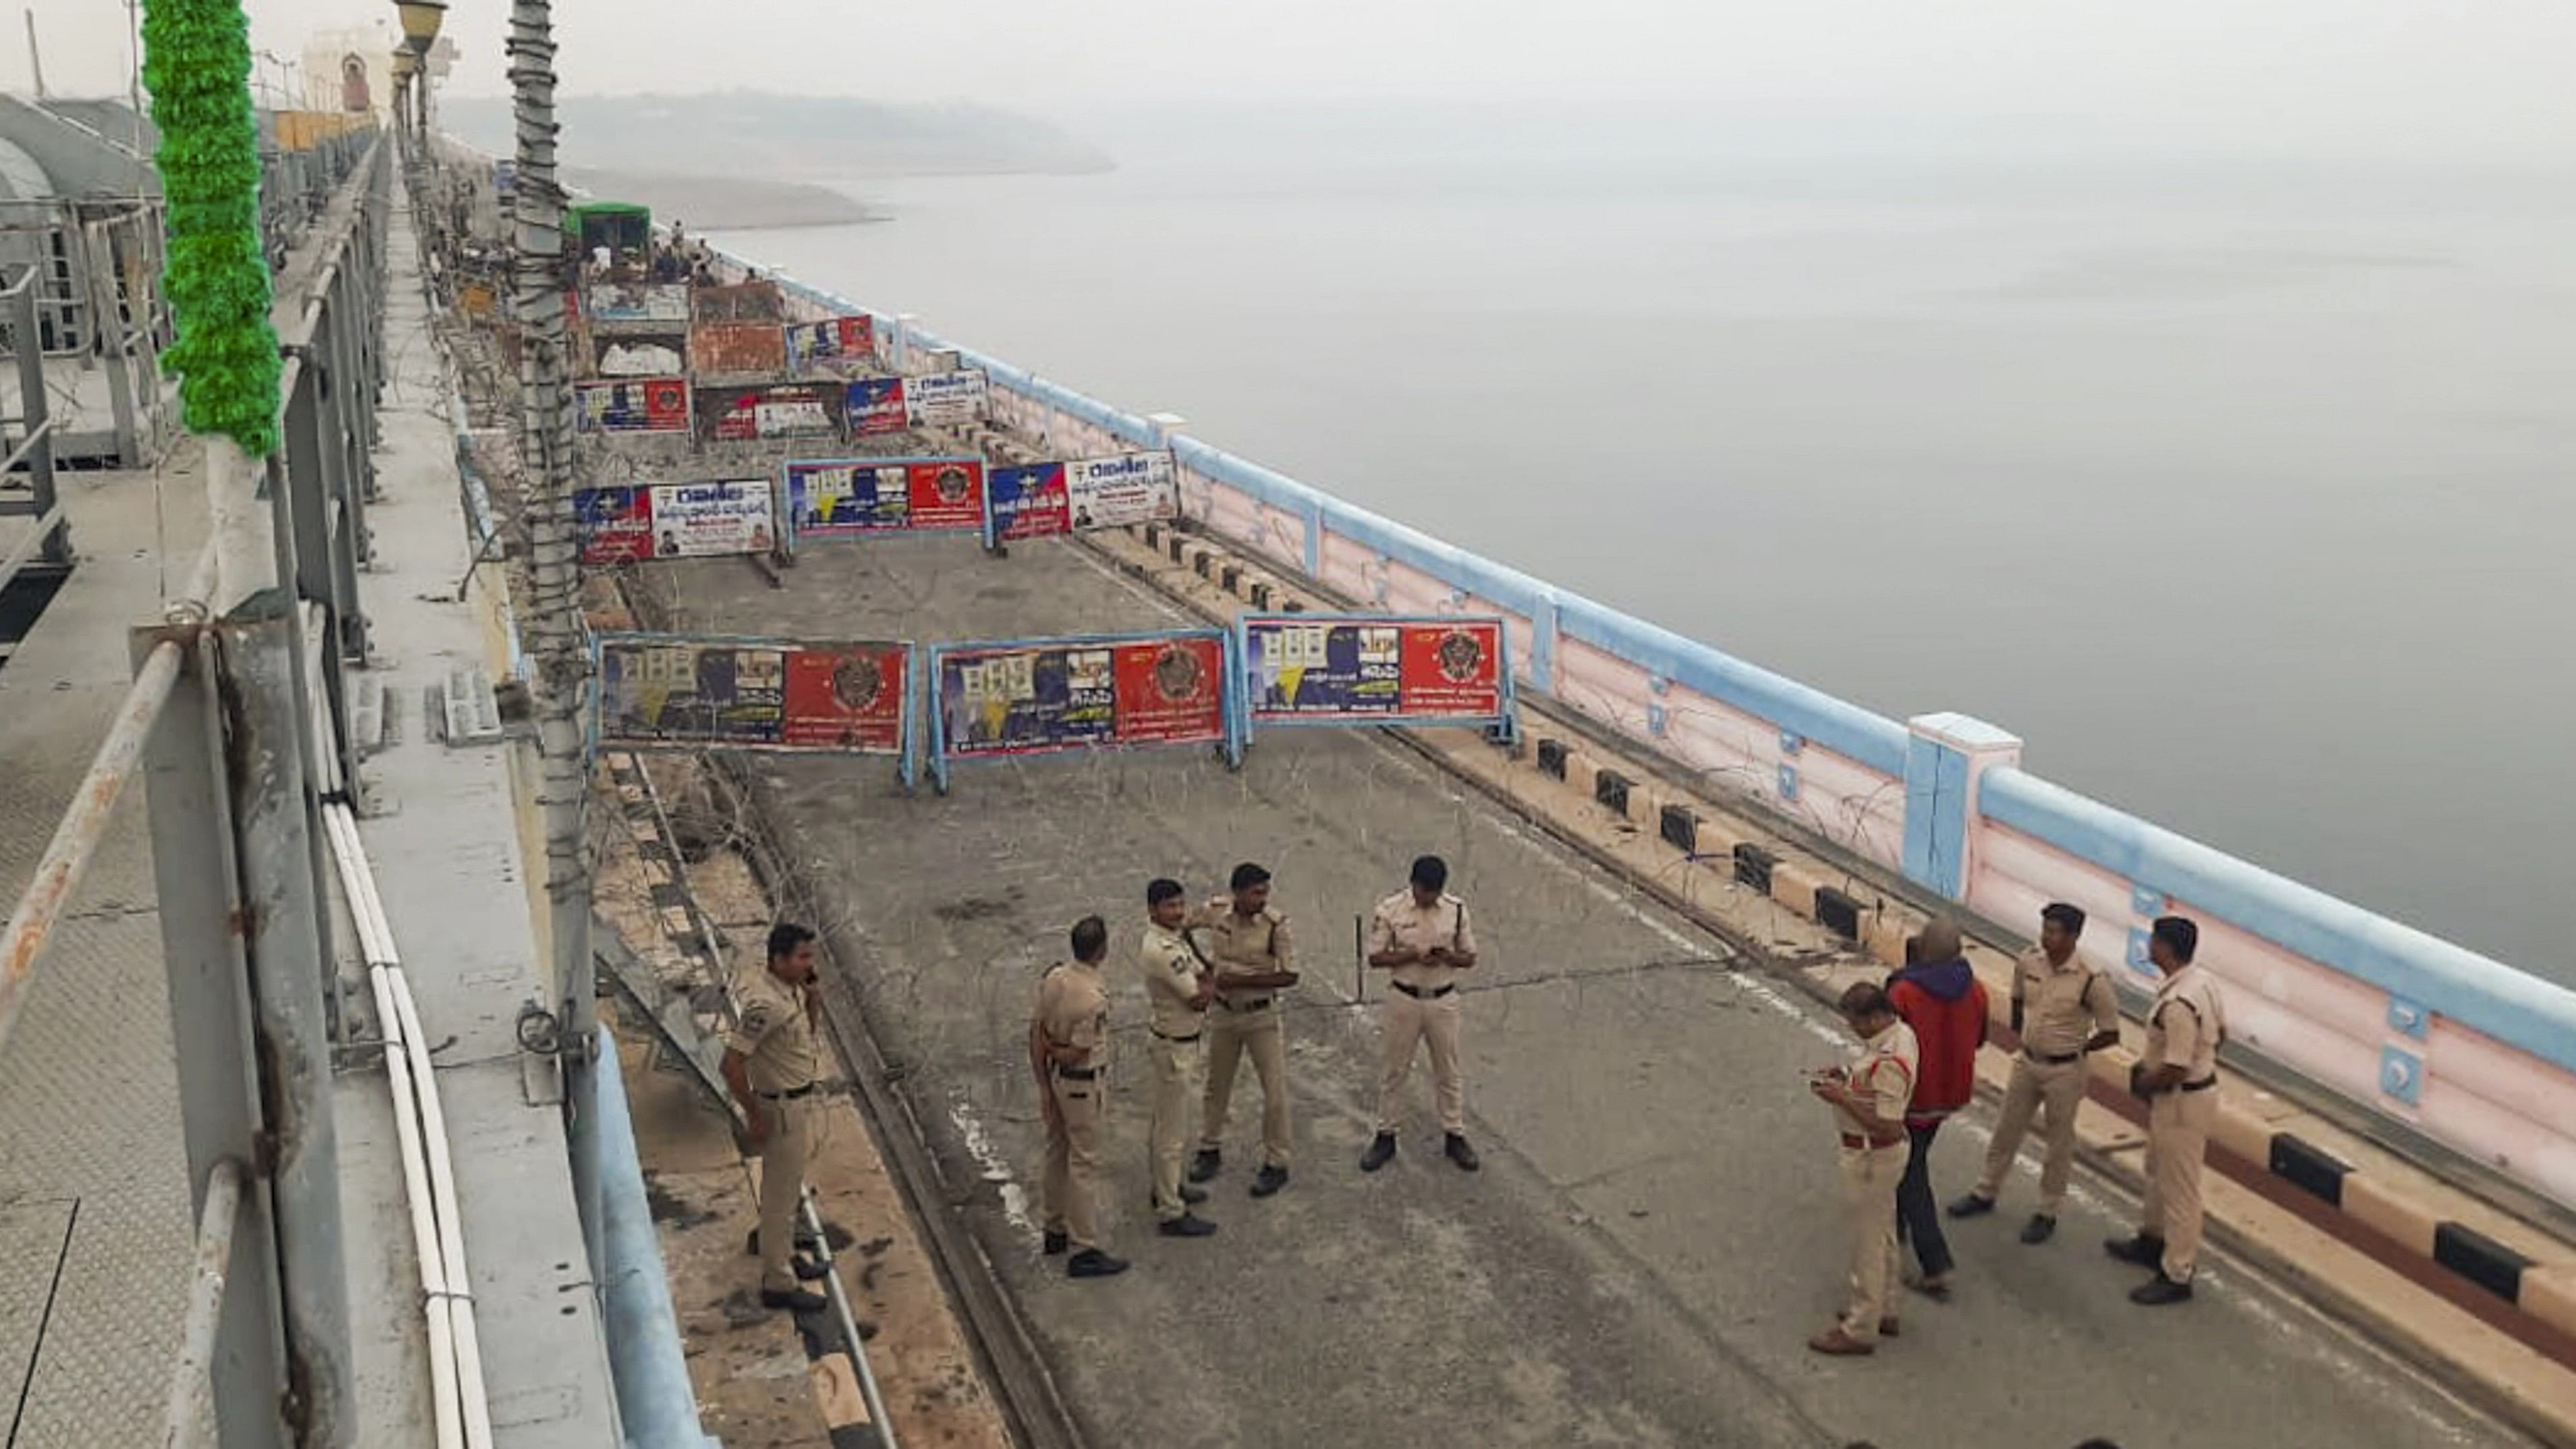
{"x":1453,"y":669}
{"x":948,"y":493}
{"x":846,"y":698}
{"x":1170,"y":689}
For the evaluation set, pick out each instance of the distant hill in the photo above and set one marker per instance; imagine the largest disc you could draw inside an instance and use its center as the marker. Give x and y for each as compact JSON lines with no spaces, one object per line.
{"x":723,"y":203}
{"x":786,"y":138}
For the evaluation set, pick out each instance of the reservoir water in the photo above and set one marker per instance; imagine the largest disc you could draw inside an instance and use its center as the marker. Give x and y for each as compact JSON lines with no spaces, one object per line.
{"x":2245,"y":491}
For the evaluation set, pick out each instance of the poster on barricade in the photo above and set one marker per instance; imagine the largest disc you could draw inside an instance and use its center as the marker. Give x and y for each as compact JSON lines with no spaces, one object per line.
{"x":664,"y":304}
{"x":849,"y":497}
{"x":945,"y":399}
{"x":676,"y":691}
{"x":1081,"y":495}
{"x":633,"y":405}
{"x":876,"y":407}
{"x":639,"y":354}
{"x":834,"y":349}
{"x":1374,"y":669}
{"x":1043,"y":696}
{"x":737,"y":349}
{"x":635,"y":522}
{"x":769,"y":410}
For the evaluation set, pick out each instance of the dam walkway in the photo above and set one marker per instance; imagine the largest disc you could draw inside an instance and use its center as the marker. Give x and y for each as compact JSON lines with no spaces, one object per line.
{"x":1657,"y":1228}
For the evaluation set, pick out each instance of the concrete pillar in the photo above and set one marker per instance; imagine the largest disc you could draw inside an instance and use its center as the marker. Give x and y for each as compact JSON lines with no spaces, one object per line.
{"x":1945,"y":761}
{"x":1165,"y":426}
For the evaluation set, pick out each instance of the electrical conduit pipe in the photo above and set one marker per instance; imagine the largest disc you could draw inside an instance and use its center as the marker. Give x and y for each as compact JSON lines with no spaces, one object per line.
{"x":463,"y":1415}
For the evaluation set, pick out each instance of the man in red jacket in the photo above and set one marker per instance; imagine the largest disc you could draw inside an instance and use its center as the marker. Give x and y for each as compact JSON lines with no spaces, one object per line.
{"x":1939,"y":996}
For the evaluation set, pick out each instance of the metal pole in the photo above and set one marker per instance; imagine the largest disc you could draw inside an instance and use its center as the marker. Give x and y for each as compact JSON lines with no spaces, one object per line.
{"x":290,"y":974}
{"x":555,"y":625}
{"x":197,"y":890}
{"x":192,"y":1383}
{"x":108,"y":333}
{"x":35,"y":408}
{"x":35,"y":58}
{"x":308,"y":744}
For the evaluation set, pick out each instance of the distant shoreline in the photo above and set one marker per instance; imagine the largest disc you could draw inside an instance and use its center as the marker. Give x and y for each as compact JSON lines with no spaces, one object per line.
{"x":727,"y":203}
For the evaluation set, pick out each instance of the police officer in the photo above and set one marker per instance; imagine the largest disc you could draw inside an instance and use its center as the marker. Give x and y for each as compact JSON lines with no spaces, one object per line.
{"x":771,"y":1063}
{"x":1869,"y":1098}
{"x":1248,"y":943}
{"x":1178,"y":990}
{"x":1421,"y":935}
{"x":1069,"y":1055}
{"x":2178,"y":1077}
{"x":2062,"y":1009}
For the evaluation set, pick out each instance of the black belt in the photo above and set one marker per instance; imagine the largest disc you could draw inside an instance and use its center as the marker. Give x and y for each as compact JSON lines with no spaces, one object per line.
{"x":1419,"y":994}
{"x":1167,"y":1036}
{"x":1243,"y":1005}
{"x":2047,"y":1060}
{"x":2203,"y":1085}
{"x":1077,"y":1074}
{"x":792,"y":1093}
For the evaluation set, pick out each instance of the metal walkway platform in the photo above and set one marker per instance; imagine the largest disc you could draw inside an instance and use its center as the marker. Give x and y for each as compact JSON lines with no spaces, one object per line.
{"x":94,"y":1220}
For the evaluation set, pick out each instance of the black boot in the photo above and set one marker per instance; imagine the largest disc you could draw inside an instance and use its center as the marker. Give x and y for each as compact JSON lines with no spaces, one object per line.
{"x":1380,"y":1152}
{"x":2143,"y":1249}
{"x":1093,"y":1263}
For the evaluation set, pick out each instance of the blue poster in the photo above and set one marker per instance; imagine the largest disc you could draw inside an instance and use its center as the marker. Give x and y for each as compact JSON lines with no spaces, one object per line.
{"x":1025,"y":502}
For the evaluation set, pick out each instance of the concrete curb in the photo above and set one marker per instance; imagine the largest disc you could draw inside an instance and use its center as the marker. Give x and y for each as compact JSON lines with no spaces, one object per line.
{"x":2521,"y":1286}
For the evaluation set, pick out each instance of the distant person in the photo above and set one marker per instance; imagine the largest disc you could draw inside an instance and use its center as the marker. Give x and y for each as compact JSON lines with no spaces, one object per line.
{"x":1939,"y":997}
{"x":2178,"y":1077}
{"x":771,"y":1064}
{"x":1069,"y":1054}
{"x":2063,"y":1010}
{"x":1869,"y":1098}
{"x":1179,"y":988}
{"x":1255,"y":960}
{"x":1421,"y":935}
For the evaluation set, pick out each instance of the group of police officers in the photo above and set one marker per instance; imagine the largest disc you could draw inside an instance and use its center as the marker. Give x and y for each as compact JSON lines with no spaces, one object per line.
{"x":1214,"y":977}
{"x":2063,"y":1009}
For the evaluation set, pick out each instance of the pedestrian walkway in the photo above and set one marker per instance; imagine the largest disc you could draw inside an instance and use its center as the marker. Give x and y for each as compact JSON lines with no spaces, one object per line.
{"x":95,"y":1228}
{"x":1656,"y":1231}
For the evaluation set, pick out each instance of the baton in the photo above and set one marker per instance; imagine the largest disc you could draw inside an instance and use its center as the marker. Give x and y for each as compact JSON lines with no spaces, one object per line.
{"x":1359,"y":961}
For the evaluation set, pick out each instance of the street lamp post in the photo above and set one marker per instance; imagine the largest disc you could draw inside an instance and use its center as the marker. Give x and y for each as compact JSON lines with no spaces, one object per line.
{"x":420,"y":22}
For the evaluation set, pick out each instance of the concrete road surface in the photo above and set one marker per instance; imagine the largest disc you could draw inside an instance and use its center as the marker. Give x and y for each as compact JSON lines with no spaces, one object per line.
{"x":1655,"y":1232}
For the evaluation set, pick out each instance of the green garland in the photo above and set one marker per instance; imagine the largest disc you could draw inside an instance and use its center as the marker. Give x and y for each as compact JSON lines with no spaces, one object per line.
{"x":196,"y":60}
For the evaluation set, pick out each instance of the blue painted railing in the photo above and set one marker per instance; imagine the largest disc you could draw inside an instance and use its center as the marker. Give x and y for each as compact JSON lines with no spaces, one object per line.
{"x":2487,"y":995}
{"x":2515,"y":1008}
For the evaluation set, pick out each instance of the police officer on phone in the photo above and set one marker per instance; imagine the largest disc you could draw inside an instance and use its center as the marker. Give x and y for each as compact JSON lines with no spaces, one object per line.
{"x":1421,"y":935}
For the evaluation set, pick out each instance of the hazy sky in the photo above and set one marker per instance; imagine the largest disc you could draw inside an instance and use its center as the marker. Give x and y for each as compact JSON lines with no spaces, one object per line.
{"x":2456,"y":77}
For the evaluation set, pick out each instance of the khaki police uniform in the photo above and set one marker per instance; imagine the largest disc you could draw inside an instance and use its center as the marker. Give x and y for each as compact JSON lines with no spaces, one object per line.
{"x":1246,"y":1020}
{"x":2184,"y":1029}
{"x":1873,"y":1163}
{"x":1073,"y":1011}
{"x":2062,"y":1007}
{"x":1424,"y":1006}
{"x":775,"y":1038}
{"x":1177,"y":1043}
